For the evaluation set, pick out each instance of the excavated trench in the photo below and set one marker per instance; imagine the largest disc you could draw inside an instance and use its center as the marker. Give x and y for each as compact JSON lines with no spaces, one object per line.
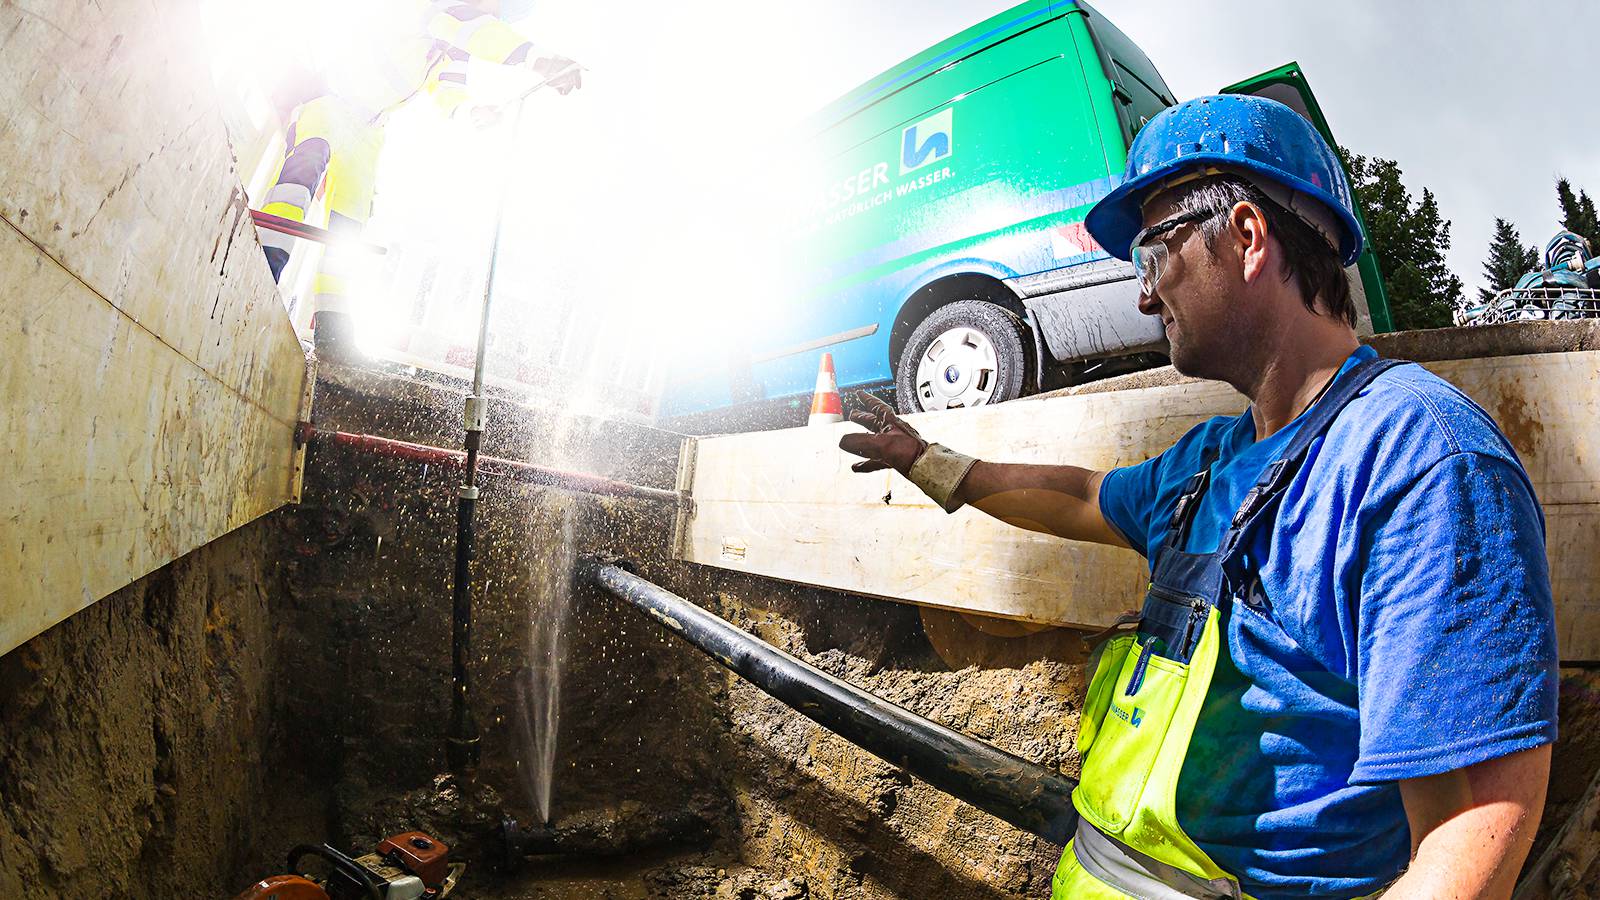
{"x":672,"y":778}
{"x":290,"y":684}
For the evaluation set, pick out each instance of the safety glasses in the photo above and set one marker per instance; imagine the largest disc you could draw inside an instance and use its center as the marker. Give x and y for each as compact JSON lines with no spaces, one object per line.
{"x":1150,"y":251}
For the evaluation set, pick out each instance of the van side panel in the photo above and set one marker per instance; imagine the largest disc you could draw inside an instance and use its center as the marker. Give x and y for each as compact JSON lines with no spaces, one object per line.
{"x":988,"y":165}
{"x":1099,"y":91}
{"x":975,"y":39}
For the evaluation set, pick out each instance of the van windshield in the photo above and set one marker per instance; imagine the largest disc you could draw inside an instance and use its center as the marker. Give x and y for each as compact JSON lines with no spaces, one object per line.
{"x":1141,"y":91}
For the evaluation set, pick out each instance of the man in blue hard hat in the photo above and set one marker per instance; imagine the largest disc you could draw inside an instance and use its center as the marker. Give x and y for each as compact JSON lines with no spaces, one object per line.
{"x":1343,"y":677}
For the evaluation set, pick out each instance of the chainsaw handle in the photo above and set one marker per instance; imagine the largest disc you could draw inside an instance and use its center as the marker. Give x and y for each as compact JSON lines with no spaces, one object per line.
{"x":339,"y":861}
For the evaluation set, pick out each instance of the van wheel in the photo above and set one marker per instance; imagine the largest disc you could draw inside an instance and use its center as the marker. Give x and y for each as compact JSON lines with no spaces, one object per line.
{"x":967,"y":353}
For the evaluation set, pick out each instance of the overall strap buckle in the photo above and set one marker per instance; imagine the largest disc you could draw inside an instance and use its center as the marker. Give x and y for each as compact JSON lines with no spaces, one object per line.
{"x":1189,"y":499}
{"x":1265,"y":487}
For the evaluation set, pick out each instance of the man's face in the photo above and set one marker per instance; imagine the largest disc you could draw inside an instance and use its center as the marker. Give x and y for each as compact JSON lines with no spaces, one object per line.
{"x":1196,"y":295}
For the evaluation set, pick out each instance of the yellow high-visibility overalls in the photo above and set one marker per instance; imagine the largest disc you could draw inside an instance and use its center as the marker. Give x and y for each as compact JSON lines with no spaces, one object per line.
{"x":1147,"y":690}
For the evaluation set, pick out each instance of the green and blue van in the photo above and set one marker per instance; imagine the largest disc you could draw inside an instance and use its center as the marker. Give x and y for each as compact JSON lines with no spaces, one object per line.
{"x":943,"y":252}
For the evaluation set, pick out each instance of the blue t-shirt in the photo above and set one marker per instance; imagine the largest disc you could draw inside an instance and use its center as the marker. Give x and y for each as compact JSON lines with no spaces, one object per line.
{"x":1404,"y":628}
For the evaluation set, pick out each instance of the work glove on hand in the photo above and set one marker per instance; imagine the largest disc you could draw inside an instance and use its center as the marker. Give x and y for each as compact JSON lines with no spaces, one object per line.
{"x":559,"y":72}
{"x":892,"y":444}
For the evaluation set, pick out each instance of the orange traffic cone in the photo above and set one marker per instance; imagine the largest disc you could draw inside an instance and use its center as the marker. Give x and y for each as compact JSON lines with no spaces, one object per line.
{"x":826,"y":405}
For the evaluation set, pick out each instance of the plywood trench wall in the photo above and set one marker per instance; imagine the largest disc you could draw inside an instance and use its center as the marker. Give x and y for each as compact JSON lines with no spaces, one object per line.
{"x":150,"y":378}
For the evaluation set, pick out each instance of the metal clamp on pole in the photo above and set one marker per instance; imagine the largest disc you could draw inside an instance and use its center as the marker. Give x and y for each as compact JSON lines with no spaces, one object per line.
{"x":475,"y":417}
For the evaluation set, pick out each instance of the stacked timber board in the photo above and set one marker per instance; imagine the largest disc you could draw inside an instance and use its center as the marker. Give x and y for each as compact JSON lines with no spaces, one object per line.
{"x":150,"y":378}
{"x":785,"y":504}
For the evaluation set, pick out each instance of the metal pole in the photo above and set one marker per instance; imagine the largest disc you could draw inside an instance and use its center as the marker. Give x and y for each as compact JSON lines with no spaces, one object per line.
{"x":461,"y":746}
{"x":1025,"y":794}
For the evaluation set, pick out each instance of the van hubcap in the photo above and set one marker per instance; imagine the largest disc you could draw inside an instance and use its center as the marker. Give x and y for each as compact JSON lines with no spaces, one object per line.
{"x":957,"y":370}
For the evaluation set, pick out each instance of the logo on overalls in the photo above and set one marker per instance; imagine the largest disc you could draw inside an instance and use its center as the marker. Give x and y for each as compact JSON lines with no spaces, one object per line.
{"x":927,"y":141}
{"x":1132,"y":718}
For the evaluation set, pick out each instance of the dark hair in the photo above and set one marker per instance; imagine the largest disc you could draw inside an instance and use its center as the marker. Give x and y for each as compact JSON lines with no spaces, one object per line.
{"x":1308,"y":259}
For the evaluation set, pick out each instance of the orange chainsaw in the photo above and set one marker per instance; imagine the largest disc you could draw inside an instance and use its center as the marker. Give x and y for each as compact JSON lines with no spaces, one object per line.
{"x":409,"y":866}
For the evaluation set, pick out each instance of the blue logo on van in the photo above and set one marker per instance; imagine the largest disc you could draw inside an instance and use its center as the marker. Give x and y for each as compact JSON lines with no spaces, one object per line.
{"x":928,"y":141}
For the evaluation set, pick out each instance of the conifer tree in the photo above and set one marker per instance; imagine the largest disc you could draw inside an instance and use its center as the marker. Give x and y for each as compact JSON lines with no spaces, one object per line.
{"x":1410,"y":239}
{"x":1578,"y":213}
{"x":1509,"y":259}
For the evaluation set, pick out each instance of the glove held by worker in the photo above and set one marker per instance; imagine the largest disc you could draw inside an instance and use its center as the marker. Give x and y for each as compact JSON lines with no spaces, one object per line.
{"x":938,"y":472}
{"x":561,"y":73}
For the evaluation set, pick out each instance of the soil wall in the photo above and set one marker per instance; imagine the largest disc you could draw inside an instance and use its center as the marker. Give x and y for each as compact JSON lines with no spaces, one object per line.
{"x":139,"y":743}
{"x":811,"y":805}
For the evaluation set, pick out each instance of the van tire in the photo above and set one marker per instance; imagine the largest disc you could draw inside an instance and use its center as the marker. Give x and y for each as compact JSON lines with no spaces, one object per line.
{"x":988,"y":363}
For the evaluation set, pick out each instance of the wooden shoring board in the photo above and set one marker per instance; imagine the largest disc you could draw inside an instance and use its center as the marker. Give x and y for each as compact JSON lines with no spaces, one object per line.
{"x":150,"y":375}
{"x":785,"y":504}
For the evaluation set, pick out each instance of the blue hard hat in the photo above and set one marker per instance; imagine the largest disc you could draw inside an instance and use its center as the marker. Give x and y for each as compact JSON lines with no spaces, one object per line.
{"x":1261,"y":140}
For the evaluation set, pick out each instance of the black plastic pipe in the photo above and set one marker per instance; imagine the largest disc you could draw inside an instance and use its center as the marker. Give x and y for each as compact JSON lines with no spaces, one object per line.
{"x":462,"y":740}
{"x":1025,"y":794}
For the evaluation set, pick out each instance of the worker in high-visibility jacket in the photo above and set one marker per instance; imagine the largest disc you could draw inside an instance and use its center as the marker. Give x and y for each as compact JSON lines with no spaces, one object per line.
{"x":1343,"y":677}
{"x":402,"y":49}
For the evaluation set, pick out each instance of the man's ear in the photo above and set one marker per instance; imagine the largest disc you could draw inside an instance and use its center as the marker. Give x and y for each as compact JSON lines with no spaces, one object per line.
{"x":1247,"y":226}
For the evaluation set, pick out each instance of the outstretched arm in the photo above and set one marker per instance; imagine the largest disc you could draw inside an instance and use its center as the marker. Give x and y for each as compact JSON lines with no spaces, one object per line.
{"x":1058,"y":500}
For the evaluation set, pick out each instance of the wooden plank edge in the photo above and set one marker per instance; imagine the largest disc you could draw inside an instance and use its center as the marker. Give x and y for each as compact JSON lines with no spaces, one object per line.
{"x":297,"y":471}
{"x":684,"y":485}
